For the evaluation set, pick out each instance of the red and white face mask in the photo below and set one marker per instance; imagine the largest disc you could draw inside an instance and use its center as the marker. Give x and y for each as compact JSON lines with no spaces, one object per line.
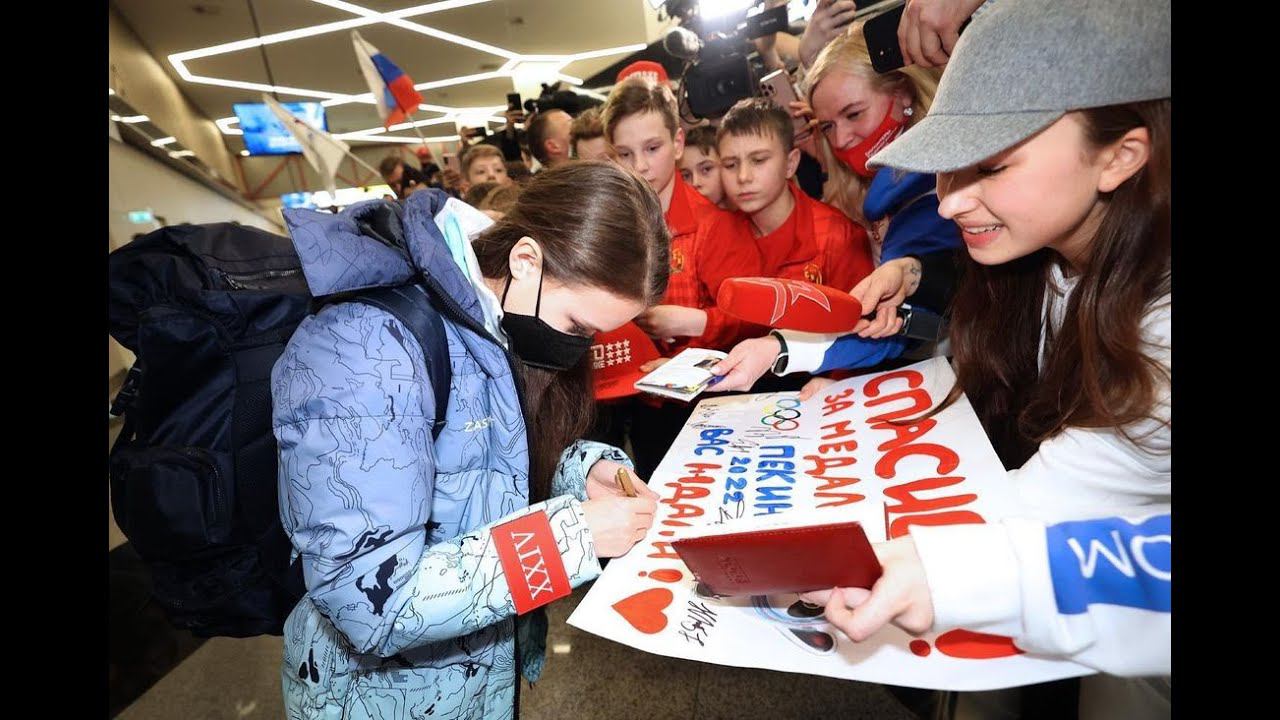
{"x":856,"y":156}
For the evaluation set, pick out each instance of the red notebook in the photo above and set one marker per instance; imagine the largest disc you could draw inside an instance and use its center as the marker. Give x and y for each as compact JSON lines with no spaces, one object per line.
{"x":782,"y":560}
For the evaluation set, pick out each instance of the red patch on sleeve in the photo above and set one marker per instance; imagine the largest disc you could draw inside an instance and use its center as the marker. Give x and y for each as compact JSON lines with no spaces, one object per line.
{"x":530,"y":561}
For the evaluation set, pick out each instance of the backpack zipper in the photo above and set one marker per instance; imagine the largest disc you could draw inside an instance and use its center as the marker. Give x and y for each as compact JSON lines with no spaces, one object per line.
{"x":242,"y":281}
{"x":220,"y":504}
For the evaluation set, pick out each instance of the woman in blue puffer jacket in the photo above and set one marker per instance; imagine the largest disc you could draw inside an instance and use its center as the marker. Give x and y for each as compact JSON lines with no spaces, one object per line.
{"x":419,"y":555}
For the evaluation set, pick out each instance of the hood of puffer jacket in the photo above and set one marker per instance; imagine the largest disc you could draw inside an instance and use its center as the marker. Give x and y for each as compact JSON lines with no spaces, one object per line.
{"x":377,"y":243}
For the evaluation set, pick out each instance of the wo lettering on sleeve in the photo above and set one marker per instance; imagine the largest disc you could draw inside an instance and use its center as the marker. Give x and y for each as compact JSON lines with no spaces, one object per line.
{"x":1111,"y":562}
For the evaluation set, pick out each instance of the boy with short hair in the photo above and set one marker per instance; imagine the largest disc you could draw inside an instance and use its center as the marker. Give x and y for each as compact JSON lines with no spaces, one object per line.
{"x":798,"y":237}
{"x":484,"y":163}
{"x":700,"y":165}
{"x":643,"y":129}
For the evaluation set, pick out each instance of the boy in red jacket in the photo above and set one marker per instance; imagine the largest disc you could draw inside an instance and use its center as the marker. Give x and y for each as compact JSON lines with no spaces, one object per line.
{"x":644,"y":133}
{"x":798,"y":237}
{"x":643,"y":129}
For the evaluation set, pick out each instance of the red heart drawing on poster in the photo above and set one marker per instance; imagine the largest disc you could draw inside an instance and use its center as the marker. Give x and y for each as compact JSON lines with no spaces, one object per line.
{"x":644,"y":609}
{"x":975,"y":646}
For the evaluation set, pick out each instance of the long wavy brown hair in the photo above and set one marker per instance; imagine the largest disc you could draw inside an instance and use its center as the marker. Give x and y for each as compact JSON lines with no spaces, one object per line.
{"x":1098,"y":372}
{"x":598,"y":226}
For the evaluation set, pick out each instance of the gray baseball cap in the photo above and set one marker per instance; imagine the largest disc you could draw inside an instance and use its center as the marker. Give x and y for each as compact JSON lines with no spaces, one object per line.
{"x":1022,"y":64}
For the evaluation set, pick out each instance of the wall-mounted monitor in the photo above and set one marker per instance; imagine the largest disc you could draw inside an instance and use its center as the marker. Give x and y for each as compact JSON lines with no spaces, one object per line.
{"x":264,"y":134}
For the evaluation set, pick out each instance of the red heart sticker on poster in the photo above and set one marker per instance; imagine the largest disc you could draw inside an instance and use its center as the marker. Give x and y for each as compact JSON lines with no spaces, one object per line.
{"x":644,"y":609}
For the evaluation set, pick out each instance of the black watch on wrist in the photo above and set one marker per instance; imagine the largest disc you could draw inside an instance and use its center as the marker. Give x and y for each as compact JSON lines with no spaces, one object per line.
{"x":780,"y":364}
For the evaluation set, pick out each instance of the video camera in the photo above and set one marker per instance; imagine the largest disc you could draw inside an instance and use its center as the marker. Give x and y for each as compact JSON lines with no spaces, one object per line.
{"x":555,"y":98}
{"x":722,"y":67}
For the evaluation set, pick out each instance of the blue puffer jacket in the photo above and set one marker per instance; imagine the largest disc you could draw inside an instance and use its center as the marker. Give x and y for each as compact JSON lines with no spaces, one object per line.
{"x":407,"y":612}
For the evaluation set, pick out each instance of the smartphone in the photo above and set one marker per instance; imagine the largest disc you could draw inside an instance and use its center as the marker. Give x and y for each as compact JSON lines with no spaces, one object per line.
{"x":881,"y":36}
{"x":767,"y":22}
{"x":863,"y":12}
{"x":515,"y":112}
{"x":778,"y":88}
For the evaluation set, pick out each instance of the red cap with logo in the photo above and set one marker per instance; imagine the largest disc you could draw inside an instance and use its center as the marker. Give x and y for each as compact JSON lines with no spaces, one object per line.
{"x":645,"y":67}
{"x":616,"y":358}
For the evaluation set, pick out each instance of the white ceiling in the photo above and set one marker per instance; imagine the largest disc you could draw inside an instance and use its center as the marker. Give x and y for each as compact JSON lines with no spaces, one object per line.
{"x":326,"y":63}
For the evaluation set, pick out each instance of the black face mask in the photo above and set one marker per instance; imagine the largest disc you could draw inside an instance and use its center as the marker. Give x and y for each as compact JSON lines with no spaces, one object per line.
{"x":537,"y":343}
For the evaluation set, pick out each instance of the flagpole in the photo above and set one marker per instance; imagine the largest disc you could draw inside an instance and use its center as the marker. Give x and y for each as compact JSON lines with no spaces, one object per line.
{"x":418,"y":130}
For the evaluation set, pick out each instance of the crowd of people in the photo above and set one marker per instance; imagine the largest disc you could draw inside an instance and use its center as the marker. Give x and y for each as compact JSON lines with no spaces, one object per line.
{"x":991,"y":180}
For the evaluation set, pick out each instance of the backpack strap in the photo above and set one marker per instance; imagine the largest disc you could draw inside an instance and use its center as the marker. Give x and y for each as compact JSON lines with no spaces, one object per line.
{"x":413,"y":308}
{"x":123,"y":403}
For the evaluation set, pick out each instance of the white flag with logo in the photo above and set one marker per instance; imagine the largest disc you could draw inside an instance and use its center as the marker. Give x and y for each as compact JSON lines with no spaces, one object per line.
{"x":321,"y":149}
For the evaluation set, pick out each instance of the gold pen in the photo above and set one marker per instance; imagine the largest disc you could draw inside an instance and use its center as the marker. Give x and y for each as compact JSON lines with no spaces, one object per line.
{"x":624,"y":481}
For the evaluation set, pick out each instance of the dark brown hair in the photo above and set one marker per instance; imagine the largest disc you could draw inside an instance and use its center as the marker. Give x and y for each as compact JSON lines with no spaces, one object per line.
{"x":598,"y":226}
{"x":1097,"y":370}
{"x":475,"y":194}
{"x":639,"y":94}
{"x":389,"y":165}
{"x":757,"y":116}
{"x":518,"y":171}
{"x":702,"y":137}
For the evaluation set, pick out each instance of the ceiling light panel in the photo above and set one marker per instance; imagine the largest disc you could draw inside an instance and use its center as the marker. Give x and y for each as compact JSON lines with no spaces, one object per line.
{"x":371,"y":18}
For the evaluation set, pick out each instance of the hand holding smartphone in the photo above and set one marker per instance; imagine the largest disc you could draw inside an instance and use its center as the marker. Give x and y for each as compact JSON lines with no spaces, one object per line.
{"x":515,"y":112}
{"x":881,"y":35}
{"x":778,"y":88}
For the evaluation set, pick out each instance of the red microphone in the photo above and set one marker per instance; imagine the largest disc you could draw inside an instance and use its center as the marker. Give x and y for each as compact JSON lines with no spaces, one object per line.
{"x":789,"y":304}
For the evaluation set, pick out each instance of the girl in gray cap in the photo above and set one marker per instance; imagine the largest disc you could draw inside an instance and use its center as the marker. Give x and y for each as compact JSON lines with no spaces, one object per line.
{"x":1050,"y":138}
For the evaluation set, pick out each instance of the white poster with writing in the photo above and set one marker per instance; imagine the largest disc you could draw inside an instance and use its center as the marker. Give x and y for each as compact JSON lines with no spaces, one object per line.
{"x":836,"y":456}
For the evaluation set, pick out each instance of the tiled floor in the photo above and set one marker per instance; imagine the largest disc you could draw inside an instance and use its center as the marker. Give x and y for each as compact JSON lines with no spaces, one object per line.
{"x":239,"y":679}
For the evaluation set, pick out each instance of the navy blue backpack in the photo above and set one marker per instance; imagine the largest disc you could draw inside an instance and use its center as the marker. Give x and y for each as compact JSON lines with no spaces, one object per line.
{"x":207,"y":310}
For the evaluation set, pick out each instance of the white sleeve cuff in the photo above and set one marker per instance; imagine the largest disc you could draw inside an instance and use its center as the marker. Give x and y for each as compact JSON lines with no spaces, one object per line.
{"x":805,"y":350}
{"x":972,"y":573}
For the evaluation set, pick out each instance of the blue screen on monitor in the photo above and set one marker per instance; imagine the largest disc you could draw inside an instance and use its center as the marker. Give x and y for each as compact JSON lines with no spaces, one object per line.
{"x":264,"y":134}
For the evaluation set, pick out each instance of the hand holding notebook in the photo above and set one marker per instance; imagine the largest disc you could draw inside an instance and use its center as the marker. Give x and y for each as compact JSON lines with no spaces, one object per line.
{"x":684,"y":376}
{"x":781,"y":559}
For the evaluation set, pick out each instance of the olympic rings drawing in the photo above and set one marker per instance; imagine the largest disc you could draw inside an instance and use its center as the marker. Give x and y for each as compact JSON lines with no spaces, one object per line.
{"x":784,"y":416}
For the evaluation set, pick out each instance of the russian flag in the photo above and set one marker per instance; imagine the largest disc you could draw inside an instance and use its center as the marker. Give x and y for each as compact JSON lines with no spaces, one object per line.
{"x":392,"y":89}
